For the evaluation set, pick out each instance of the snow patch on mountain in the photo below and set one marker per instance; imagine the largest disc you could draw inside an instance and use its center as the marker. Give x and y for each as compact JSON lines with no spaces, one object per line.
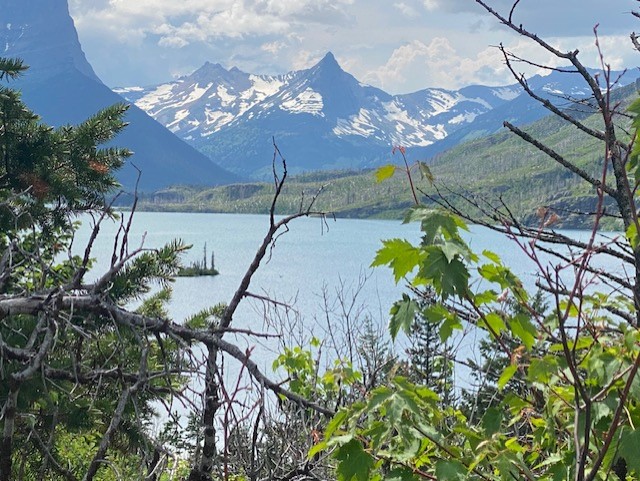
{"x":308,"y":102}
{"x":213,"y":99}
{"x":125,"y":90}
{"x":441,"y":101}
{"x":196,"y":93}
{"x":180,"y":115}
{"x":468,"y":117}
{"x":152,"y":101}
{"x":507,"y":93}
{"x":262,"y":87}
{"x":322,"y":109}
{"x":478,"y":100}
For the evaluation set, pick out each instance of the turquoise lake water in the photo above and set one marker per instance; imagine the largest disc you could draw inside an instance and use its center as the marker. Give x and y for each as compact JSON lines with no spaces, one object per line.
{"x":319,"y":268}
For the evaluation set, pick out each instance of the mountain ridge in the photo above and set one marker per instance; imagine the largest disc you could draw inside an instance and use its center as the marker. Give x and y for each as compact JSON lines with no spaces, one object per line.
{"x":324,"y":118}
{"x":496,"y":170}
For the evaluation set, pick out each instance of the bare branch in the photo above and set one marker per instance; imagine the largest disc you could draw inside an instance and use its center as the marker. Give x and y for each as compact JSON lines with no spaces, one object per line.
{"x":561,"y":160}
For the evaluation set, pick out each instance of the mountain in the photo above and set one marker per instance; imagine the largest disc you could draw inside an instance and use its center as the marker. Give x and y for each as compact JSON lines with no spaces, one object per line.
{"x":564,"y":90}
{"x":500,"y":169}
{"x":62,"y":87}
{"x":324,"y":118}
{"x":321,"y":118}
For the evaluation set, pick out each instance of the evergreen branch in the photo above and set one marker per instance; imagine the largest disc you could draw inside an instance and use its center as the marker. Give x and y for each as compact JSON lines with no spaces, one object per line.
{"x":11,"y":68}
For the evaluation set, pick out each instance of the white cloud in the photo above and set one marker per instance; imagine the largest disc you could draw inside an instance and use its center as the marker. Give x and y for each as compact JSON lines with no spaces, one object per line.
{"x":179,"y":22}
{"x":274,"y":47}
{"x":431,"y":4}
{"x":439,"y":64}
{"x":305,"y":58}
{"x":402,"y":45}
{"x":406,"y":10}
{"x":173,"y":42}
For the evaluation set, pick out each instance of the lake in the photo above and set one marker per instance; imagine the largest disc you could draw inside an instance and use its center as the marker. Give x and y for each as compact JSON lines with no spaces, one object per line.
{"x":319,"y":268}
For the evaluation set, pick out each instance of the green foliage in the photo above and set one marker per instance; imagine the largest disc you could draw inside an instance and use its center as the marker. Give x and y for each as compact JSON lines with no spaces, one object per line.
{"x":72,"y":364}
{"x":430,"y":361}
{"x":385,"y":172}
{"x":304,"y":376}
{"x":633,"y":165}
{"x":354,"y":462}
{"x":520,"y":421}
{"x":135,"y":278}
{"x":403,"y":314}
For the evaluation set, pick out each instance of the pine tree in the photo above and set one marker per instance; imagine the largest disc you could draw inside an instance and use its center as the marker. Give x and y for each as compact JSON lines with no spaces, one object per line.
{"x":430,"y":361}
{"x":76,"y":386}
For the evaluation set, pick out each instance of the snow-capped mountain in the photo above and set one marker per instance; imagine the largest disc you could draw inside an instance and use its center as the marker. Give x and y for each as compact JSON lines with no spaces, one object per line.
{"x":321,"y":117}
{"x":324,"y":118}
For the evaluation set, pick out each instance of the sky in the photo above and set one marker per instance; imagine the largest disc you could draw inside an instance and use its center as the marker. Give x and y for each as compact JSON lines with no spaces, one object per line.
{"x":400,"y":46}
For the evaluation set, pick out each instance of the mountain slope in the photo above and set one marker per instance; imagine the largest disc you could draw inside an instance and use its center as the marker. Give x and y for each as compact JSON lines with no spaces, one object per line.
{"x":322,"y":117}
{"x":62,"y":87}
{"x":496,"y":168}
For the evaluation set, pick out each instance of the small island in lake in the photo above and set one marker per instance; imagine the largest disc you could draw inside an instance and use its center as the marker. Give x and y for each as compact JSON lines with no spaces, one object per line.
{"x":200,"y":268}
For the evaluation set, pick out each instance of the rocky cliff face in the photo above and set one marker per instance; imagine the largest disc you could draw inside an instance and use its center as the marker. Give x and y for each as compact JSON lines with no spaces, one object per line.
{"x":61,"y":86}
{"x":42,"y":33}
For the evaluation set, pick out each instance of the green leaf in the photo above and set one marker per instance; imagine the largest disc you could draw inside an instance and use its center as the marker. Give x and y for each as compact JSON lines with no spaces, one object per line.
{"x":448,"y":278}
{"x":632,"y":235}
{"x":506,"y":468}
{"x":448,"y":320}
{"x":452,"y":250}
{"x":409,"y":403}
{"x":635,"y":107}
{"x":403,"y":313}
{"x":500,"y":275}
{"x":450,"y":471}
{"x":492,"y":256}
{"x":316,"y":448}
{"x":336,"y":422}
{"x":495,"y":323}
{"x":506,"y":375}
{"x":378,"y":397}
{"x":491,"y":421}
{"x":450,"y":323}
{"x":385,"y":172}
{"x":523,"y":329}
{"x":353,"y":462}
{"x":426,"y":172}
{"x":485,"y":297}
{"x":629,"y":450}
{"x":435,"y":222}
{"x":541,"y":370}
{"x":436,"y":313}
{"x":400,"y":255}
{"x":401,"y":474}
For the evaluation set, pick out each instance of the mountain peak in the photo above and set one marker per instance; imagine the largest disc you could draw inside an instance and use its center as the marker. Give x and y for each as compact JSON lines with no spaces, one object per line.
{"x":63,"y":89}
{"x":216,"y":73}
{"x":329,"y":62}
{"x":209,"y":68}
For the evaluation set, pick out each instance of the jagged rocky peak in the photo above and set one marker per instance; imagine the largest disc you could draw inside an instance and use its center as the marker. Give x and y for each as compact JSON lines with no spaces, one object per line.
{"x":216,"y":73}
{"x":327,"y":74}
{"x":42,"y":33}
{"x":328,"y":64}
{"x":210,"y":69}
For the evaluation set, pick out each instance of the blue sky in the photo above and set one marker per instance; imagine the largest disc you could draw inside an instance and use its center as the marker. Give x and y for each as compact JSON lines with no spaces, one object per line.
{"x":398,"y":45}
